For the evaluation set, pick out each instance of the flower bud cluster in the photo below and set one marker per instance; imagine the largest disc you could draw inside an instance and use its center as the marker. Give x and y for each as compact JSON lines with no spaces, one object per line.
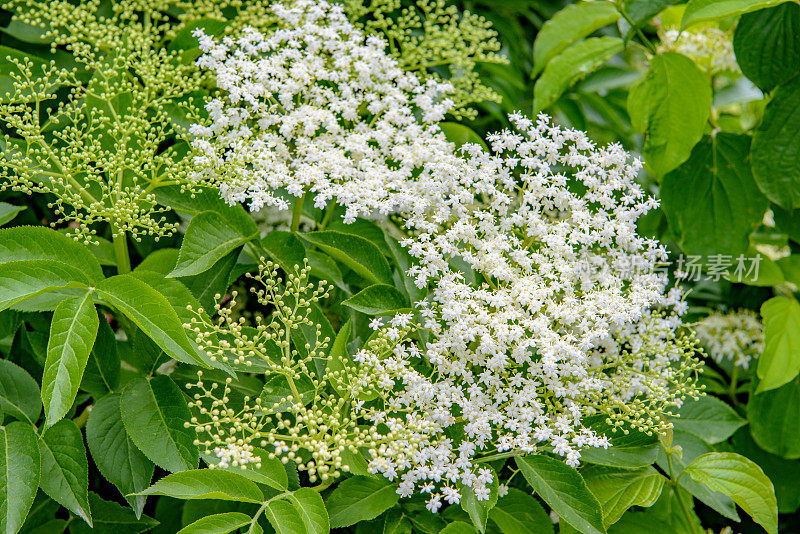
{"x":737,"y":336}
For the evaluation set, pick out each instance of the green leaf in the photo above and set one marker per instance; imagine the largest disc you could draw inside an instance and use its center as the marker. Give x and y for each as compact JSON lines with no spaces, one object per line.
{"x":272,"y":472}
{"x":708,"y":418}
{"x":339,"y":362}
{"x":360,"y":499}
{"x":775,"y":419}
{"x":458,"y":527}
{"x":207,"y":199}
{"x":396,"y":522}
{"x":25,"y":280}
{"x":459,"y":135}
{"x":712,"y":201}
{"x":519,"y":513}
{"x":285,"y":248}
{"x":742,"y":480}
{"x":477,"y":509}
{"x":572,"y":65}
{"x":72,"y":335}
{"x":569,"y":25}
{"x":706,"y":10}
{"x":150,"y":311}
{"x":564,"y":490}
{"x":19,"y":464}
{"x":208,"y":239}
{"x":766,"y":45}
{"x":41,"y":243}
{"x":9,"y":211}
{"x":378,"y":299}
{"x":114,"y":453}
{"x":217,"y":524}
{"x":403,"y":260}
{"x":776,"y":147}
{"x":671,"y":105}
{"x":111,"y":518}
{"x":154,"y":411}
{"x":356,"y":252}
{"x":299,"y":512}
{"x":207,"y":285}
{"x":19,"y":393}
{"x":780,"y":361}
{"x":207,"y":484}
{"x":619,"y":489}
{"x":783,"y":473}
{"x":65,"y":469}
{"x":103,"y":368}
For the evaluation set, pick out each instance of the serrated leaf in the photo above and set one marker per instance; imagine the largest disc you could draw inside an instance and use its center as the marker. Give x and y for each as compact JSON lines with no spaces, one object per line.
{"x":154,"y":411}
{"x":114,"y":453}
{"x":619,"y":489}
{"x":742,"y":480}
{"x":19,"y":465}
{"x":361,"y":255}
{"x":103,"y":368}
{"x":65,"y":469}
{"x":207,"y":484}
{"x":708,"y":418}
{"x":569,"y":25}
{"x":150,"y":311}
{"x":19,"y":393}
{"x":378,"y":299}
{"x":564,"y":490}
{"x":52,"y":280}
{"x":780,"y":361}
{"x":41,"y":243}
{"x":671,"y":105}
{"x":712,"y":201}
{"x":520,"y":513}
{"x":72,"y":334}
{"x":360,"y":499}
{"x":271,"y":472}
{"x":766,"y":45}
{"x":208,"y":239}
{"x":707,"y":10}
{"x":776,"y":147}
{"x":217,"y":524}
{"x":572,"y":65}
{"x":299,"y":512}
{"x":286,"y":249}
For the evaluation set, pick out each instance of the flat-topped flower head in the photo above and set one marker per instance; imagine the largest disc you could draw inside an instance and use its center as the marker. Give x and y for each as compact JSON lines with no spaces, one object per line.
{"x":546,"y":309}
{"x":314,"y":107}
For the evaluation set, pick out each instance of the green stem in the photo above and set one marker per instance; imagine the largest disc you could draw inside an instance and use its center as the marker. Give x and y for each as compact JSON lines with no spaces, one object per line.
{"x":639,"y":32}
{"x":732,"y":386}
{"x":80,"y":421}
{"x":121,"y":252}
{"x":327,"y":217}
{"x":297,"y":211}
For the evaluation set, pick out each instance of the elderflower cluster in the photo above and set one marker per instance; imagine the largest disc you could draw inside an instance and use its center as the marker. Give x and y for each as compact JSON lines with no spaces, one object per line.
{"x":299,"y":416}
{"x":316,"y":108}
{"x":737,"y":336}
{"x":535,"y":322}
{"x":710,"y":48}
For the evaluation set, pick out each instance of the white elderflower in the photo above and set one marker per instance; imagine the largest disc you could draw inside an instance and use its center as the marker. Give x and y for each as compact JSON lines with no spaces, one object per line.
{"x":545,"y":310}
{"x":737,"y":336}
{"x":314,"y":107}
